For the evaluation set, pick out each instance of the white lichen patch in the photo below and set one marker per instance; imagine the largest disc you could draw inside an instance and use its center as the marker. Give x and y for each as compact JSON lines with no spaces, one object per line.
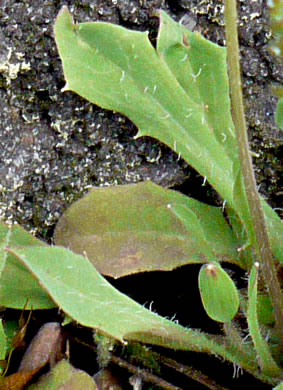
{"x":57,"y":126}
{"x":11,"y":69}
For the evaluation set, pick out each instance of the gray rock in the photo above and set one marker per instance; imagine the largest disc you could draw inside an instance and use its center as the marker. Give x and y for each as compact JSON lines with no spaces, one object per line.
{"x":54,"y":146}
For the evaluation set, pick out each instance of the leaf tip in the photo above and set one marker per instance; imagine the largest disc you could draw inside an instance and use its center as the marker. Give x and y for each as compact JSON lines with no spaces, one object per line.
{"x":65,"y":88}
{"x":64,"y":11}
{"x":138,"y":135}
{"x":64,"y":19}
{"x":211,"y":269}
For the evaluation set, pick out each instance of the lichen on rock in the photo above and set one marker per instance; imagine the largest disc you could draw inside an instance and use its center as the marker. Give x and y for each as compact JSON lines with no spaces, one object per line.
{"x":54,"y":146}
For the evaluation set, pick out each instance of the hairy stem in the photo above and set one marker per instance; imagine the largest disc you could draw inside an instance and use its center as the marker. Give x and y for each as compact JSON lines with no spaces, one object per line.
{"x":262,"y":249}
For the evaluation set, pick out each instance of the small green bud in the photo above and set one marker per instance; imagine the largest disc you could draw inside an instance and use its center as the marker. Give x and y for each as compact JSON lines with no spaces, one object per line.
{"x":218,"y":292}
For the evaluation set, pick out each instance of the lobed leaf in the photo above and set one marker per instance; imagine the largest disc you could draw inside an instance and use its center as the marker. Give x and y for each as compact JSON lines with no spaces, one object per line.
{"x":177,"y":93}
{"x":120,"y":70}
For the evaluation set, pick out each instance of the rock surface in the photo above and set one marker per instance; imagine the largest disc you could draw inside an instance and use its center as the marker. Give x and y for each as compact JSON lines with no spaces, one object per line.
{"x":54,"y":146}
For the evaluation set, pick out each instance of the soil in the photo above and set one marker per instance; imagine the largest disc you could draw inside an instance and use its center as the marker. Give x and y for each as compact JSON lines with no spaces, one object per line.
{"x":54,"y":146}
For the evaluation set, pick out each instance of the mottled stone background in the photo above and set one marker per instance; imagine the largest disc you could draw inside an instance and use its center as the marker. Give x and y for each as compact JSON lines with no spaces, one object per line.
{"x":54,"y":146}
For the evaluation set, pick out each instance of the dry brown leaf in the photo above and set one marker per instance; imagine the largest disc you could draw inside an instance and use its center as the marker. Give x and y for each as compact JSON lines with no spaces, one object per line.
{"x":45,"y":347}
{"x":17,"y":381}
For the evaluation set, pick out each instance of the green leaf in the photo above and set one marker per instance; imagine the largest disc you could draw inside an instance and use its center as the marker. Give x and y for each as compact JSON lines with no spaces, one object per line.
{"x":274,"y":227}
{"x":3,"y":342}
{"x":128,"y":229}
{"x":63,"y":377}
{"x":276,"y":19}
{"x":209,"y":230}
{"x":279,"y":113}
{"x":120,"y":70}
{"x":199,"y":67}
{"x":4,"y":240}
{"x":218,"y":292}
{"x":265,"y":311}
{"x":177,"y":94}
{"x":81,"y":292}
{"x":265,"y":360}
{"x":247,"y":228}
{"x":11,"y":329}
{"x":17,"y":286}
